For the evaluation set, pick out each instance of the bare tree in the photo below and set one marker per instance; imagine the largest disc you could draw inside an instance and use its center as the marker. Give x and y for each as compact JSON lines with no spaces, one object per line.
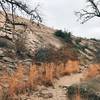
{"x":11,"y":9}
{"x":92,"y":10}
{"x":18,"y":5}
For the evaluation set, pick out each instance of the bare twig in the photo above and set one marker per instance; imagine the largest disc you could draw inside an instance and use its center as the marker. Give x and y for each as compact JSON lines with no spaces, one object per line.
{"x":87,"y":14}
{"x":15,"y":5}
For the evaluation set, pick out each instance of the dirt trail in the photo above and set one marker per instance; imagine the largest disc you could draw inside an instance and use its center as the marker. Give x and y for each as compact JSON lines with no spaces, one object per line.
{"x":57,"y":93}
{"x":69,"y":79}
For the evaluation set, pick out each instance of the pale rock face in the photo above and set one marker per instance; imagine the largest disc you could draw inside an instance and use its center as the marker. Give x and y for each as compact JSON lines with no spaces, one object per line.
{"x":3,"y":34}
{"x":36,"y":36}
{"x":2,"y":20}
{"x":41,"y":37}
{"x":42,"y":40}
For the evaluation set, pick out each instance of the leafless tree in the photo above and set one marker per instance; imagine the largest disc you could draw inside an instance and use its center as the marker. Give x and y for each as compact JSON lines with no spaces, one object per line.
{"x":92,"y":10}
{"x":18,"y":5}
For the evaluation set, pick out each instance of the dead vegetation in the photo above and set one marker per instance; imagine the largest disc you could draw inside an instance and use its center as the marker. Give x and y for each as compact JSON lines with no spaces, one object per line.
{"x":93,"y":70}
{"x":71,"y":67}
{"x":88,"y":89}
{"x":23,"y":80}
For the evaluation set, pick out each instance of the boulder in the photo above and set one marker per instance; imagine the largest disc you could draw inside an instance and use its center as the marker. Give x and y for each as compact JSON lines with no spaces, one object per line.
{"x":8,"y":59}
{"x":5,"y":43}
{"x":1,"y":53}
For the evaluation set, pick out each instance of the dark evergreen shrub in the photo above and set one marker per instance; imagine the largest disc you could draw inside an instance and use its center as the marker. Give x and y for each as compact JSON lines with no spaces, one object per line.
{"x":42,"y":55}
{"x":66,"y":36}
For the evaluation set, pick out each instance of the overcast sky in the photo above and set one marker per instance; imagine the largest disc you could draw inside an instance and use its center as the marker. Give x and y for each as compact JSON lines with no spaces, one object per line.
{"x":60,"y":14}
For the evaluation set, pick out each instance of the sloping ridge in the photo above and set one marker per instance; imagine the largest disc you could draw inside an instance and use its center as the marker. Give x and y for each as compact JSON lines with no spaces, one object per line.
{"x":41,"y":36}
{"x":37,"y":36}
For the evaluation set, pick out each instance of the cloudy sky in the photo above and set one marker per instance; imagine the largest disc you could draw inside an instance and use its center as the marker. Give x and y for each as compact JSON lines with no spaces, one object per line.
{"x":60,"y":14}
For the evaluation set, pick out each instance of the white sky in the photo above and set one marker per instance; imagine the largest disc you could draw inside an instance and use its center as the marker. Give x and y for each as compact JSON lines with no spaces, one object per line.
{"x":60,"y":14}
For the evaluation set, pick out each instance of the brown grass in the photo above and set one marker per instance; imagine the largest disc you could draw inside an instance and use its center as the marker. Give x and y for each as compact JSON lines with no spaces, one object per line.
{"x":59,"y":70}
{"x":15,"y":79}
{"x":71,"y":67}
{"x":48,"y":74}
{"x":93,"y":70}
{"x":19,"y":82}
{"x":1,"y":92}
{"x":33,"y":76}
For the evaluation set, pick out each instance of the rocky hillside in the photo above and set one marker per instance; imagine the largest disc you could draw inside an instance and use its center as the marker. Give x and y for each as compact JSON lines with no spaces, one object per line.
{"x":89,"y":50}
{"x":35,"y":36}
{"x":33,"y":54}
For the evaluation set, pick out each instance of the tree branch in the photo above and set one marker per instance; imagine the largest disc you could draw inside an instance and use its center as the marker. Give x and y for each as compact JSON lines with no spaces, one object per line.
{"x":84,"y":15}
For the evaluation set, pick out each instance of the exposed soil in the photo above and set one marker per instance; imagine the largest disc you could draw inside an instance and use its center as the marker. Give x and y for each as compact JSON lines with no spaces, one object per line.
{"x":56,"y":93}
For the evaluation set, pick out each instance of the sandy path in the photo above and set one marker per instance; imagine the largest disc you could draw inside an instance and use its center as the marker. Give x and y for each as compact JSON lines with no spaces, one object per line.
{"x":56,"y":93}
{"x":69,"y":80}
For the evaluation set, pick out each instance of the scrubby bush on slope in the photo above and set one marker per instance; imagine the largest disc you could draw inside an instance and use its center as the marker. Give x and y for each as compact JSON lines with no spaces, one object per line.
{"x":66,"y":36}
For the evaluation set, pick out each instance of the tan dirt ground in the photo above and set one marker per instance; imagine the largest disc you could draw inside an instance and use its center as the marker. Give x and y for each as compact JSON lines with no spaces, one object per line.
{"x":57,"y":93}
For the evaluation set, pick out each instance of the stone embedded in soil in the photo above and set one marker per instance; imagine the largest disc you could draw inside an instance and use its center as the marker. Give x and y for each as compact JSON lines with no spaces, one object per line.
{"x":10,"y":71}
{"x":1,"y":53}
{"x":8,"y":59}
{"x":5,"y":85}
{"x":43,"y":93}
{"x":47,"y":95}
{"x":12,"y":66}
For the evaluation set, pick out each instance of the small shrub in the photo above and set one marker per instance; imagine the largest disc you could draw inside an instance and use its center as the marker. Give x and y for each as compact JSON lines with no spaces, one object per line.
{"x":42,"y":55}
{"x":21,"y":49}
{"x":83,"y":90}
{"x":93,"y":39}
{"x":72,"y":90}
{"x":78,"y":41}
{"x":80,"y":47}
{"x":66,"y":36}
{"x":59,"y":33}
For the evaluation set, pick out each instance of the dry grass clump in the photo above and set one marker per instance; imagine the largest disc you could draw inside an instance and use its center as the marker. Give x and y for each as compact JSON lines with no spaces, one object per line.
{"x":59,"y":70}
{"x":71,"y":67}
{"x":93,"y":70}
{"x":33,"y":76}
{"x":14,"y":81}
{"x":23,"y":80}
{"x":10,"y":83}
{"x":48,"y":74}
{"x":1,"y":92}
